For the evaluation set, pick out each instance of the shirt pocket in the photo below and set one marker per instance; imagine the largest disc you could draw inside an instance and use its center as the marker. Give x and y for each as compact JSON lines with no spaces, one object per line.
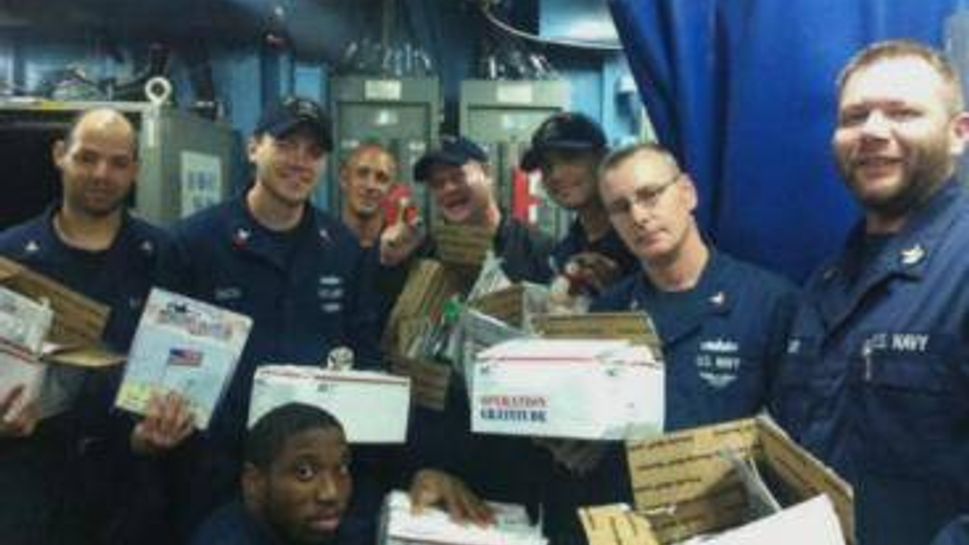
{"x":913,"y":403}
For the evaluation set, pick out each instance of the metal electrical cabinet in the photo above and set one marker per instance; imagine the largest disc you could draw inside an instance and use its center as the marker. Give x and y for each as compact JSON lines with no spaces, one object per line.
{"x":186,"y":162}
{"x":401,"y":114}
{"x":502,"y":115}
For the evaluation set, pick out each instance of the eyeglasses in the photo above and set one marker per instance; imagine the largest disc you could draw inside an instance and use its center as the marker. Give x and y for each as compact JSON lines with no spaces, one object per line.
{"x":646,"y":197}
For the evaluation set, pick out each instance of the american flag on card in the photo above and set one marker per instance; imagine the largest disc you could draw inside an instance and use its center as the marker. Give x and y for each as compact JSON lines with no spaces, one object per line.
{"x":184,"y":357}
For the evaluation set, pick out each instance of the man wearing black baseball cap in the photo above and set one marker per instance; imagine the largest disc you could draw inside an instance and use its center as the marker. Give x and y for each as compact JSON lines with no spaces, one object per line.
{"x":270,"y":254}
{"x":567,"y":148}
{"x":459,"y":177}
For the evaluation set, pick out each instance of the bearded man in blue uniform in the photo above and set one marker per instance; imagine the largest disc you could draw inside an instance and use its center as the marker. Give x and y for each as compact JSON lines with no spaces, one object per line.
{"x":875,"y":378}
{"x":722,"y":322}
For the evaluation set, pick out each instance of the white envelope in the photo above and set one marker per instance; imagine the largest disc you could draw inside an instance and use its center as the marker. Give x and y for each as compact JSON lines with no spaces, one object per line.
{"x":20,"y":369}
{"x":399,"y":526}
{"x":812,"y":522}
{"x":594,"y":390}
{"x":373,"y":407}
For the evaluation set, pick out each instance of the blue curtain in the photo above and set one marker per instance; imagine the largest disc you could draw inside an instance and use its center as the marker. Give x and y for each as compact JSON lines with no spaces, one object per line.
{"x":743,"y":92}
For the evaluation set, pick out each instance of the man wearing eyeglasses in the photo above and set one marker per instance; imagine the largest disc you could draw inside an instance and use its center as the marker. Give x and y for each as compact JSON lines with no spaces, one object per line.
{"x":723,"y":323}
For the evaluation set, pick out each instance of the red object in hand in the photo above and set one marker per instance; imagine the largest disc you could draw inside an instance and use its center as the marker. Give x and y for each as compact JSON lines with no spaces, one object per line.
{"x":398,"y":204}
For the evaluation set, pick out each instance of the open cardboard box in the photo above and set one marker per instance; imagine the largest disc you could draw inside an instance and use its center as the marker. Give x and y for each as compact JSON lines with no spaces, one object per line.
{"x":515,"y":305}
{"x":684,"y":486}
{"x":429,"y":284}
{"x":462,"y":246}
{"x":79,"y":321}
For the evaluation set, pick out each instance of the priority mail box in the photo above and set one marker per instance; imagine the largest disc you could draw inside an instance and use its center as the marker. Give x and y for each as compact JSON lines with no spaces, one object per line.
{"x":578,"y":389}
{"x":373,"y":407}
{"x":687,"y":484}
{"x":401,"y":526}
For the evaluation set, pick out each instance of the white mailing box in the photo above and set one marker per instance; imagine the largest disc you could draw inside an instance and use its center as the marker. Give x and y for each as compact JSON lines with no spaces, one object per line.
{"x":373,"y":407}
{"x":595,"y":390}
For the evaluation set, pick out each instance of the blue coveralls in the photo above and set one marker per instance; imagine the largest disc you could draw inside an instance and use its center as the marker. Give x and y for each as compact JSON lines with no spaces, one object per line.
{"x":876,"y":378}
{"x":232,"y":525}
{"x":301,"y":290}
{"x":609,"y":245}
{"x":721,"y":341}
{"x":954,"y":533}
{"x":71,"y":478}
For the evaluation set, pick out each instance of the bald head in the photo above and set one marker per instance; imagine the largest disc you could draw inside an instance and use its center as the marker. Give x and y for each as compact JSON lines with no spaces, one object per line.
{"x":104,"y":120}
{"x":98,"y":163}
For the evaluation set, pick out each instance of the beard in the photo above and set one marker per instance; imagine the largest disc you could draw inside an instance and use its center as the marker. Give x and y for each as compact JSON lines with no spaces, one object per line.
{"x":929,"y":167}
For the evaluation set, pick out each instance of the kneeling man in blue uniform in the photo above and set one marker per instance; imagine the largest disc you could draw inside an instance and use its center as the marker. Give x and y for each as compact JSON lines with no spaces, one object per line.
{"x":723,"y":323}
{"x":297,"y":485}
{"x":875,"y":379}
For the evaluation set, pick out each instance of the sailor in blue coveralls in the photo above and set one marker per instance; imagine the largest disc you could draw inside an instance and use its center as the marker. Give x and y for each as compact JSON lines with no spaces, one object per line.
{"x":567,"y":148}
{"x":497,"y":467}
{"x":367,"y":176}
{"x":876,"y":378}
{"x":722,"y":322}
{"x":269,"y":254}
{"x":954,"y":533}
{"x":67,"y":479}
{"x":296,"y":271}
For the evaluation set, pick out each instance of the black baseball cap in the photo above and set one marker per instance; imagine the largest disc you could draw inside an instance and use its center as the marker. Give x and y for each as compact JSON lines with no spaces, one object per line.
{"x":454,"y":151}
{"x":563,"y":131}
{"x":291,"y":112}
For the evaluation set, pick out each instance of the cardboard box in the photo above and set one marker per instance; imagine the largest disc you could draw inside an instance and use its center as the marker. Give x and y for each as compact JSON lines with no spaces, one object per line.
{"x":462,"y":245}
{"x":75,"y":334}
{"x":71,"y":344}
{"x":429,"y":284}
{"x":430,"y":381}
{"x":635,"y":327}
{"x":400,"y":526}
{"x":516,"y":305}
{"x":813,"y":522}
{"x":685,"y":486}
{"x":594,"y":390}
{"x":373,"y":407}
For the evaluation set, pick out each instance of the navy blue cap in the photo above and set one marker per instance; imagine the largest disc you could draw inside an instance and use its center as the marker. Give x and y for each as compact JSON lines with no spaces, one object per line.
{"x":292,"y":112}
{"x":563,"y":131}
{"x":454,"y":151}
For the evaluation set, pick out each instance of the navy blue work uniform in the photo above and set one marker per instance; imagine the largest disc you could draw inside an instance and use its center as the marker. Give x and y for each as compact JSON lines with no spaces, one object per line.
{"x":524,"y":251}
{"x":876,"y":378}
{"x":233,"y":525}
{"x":300,"y":288}
{"x":609,"y":245}
{"x":68,"y":477}
{"x":721,"y":342}
{"x":954,"y":533}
